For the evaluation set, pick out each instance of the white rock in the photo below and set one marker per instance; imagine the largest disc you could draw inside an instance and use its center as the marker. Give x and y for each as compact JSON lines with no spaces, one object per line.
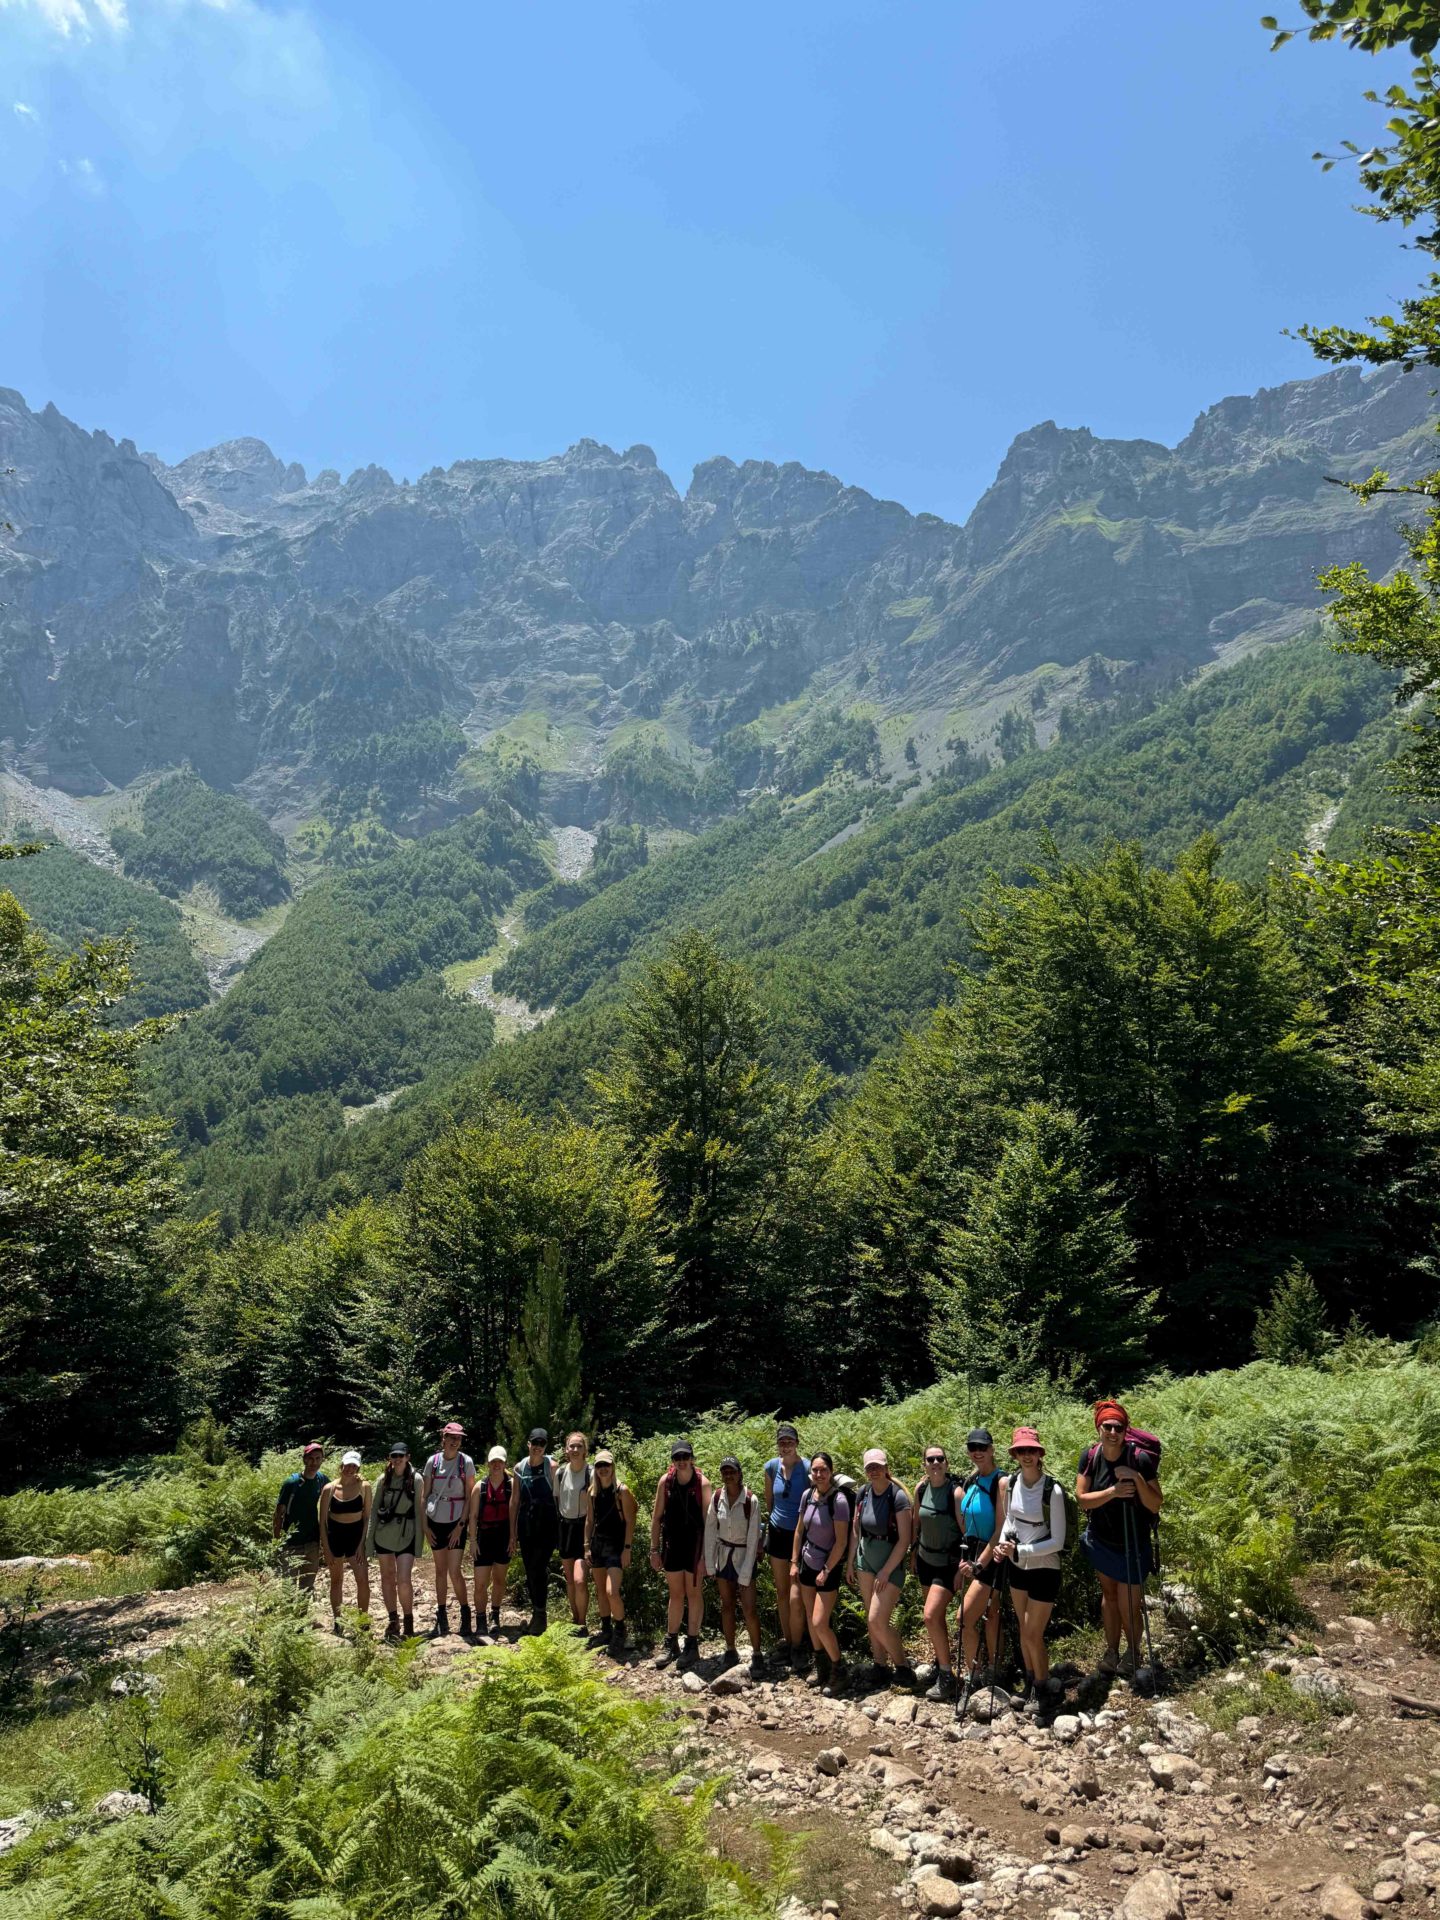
{"x":1173,"y":1771}
{"x":121,"y":1805}
{"x":1154,"y":1896}
{"x":940,"y":1896}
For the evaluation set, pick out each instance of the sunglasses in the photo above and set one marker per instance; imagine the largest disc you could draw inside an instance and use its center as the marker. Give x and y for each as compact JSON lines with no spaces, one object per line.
{"x":1026,"y":1453}
{"x":1111,"y":1426}
{"x":985,"y":1449}
{"x":935,"y":1459}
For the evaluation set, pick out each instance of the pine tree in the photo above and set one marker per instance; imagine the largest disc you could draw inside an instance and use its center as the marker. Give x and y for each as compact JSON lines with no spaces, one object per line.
{"x":1037,"y":1278}
{"x":1294,"y":1329}
{"x":542,"y":1385}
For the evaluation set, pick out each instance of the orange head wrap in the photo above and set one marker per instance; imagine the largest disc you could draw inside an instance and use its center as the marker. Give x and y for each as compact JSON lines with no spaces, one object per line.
{"x":1110,"y":1410}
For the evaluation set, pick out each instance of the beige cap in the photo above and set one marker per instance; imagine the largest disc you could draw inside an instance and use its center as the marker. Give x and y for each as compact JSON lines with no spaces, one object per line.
{"x":876,"y":1457}
{"x":497,"y":1453}
{"x":604,"y":1458}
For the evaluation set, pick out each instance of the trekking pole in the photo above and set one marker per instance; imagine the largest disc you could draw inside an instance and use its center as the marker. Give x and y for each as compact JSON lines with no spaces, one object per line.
{"x":1002,"y":1578}
{"x":1133,"y":1567}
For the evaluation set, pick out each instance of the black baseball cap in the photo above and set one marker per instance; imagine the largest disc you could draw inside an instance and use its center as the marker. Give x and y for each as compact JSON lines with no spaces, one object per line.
{"x":539,"y":1437}
{"x":729,"y":1464}
{"x":682,"y":1450}
{"x":979,"y":1437}
{"x":398,"y":1447}
{"x":787,"y":1432}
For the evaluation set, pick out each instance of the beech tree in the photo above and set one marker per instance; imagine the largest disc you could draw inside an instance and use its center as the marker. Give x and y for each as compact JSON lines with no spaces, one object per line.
{"x":90,"y":1332}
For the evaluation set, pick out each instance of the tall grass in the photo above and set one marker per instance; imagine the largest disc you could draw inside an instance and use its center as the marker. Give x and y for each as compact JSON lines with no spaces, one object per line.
{"x":1268,"y":1471}
{"x":293,"y":1778}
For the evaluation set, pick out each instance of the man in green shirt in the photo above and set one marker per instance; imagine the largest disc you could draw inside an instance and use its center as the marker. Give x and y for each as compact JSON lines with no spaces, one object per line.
{"x":297,"y":1515}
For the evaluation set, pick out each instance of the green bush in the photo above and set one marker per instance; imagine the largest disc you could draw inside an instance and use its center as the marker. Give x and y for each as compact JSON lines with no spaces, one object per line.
{"x":295,"y":1778}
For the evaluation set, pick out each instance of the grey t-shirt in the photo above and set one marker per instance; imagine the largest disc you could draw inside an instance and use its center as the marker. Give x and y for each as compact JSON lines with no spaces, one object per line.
{"x":876,"y":1546}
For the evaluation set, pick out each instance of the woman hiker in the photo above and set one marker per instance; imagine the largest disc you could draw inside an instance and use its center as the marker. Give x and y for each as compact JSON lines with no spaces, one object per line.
{"x":817,"y":1565}
{"x":609,"y":1539}
{"x":732,"y":1549}
{"x":881,"y":1545}
{"x":397,"y":1536}
{"x":535,"y":1525}
{"x":1115,"y":1481}
{"x":572,"y":1498}
{"x":936,"y":1558}
{"x":489,"y":1523}
{"x":1032,"y":1538}
{"x":344,"y":1520}
{"x":449,"y":1481}
{"x":982,"y":1510}
{"x":677,"y":1549}
{"x":787,"y":1477}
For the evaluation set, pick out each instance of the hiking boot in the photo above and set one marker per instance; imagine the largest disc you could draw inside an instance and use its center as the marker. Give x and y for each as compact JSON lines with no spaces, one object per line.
{"x":601,"y":1635}
{"x":800,"y":1661}
{"x":392,"y":1627}
{"x":441,"y":1626}
{"x":877,"y":1674}
{"x":822,"y":1669}
{"x":689,"y":1650}
{"x":732,"y":1659}
{"x":669,"y":1654}
{"x":1109,"y":1661}
{"x":1050,"y":1688}
{"x":409,"y":1626}
{"x":906,"y":1678}
{"x":336,"y":1627}
{"x":757,"y":1665}
{"x":581,"y":1630}
{"x":617,"y":1648}
{"x":836,"y":1683}
{"x":537,"y":1623}
{"x":943,"y":1687}
{"x":466,"y":1627}
{"x":494,"y":1619}
{"x":1126,"y":1667}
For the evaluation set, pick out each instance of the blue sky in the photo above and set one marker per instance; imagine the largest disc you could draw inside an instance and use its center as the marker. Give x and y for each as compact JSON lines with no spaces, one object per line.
{"x":880,"y":238}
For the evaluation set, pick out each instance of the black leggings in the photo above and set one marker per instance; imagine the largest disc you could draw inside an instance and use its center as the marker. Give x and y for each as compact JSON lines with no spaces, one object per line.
{"x":536,"y":1553}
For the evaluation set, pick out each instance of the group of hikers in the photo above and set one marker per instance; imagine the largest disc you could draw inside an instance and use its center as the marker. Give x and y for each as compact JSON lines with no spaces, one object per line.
{"x":966,"y":1537}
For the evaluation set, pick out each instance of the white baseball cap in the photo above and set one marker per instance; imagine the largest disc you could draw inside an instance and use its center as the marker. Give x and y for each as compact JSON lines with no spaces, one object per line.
{"x":351,"y":1459}
{"x":497,"y":1453}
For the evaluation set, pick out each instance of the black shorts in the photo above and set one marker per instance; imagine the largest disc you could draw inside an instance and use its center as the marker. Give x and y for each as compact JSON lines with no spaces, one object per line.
{"x":1041,"y":1583}
{"x":779,"y":1541}
{"x":345,"y":1538}
{"x":682,"y":1557}
{"x":810,"y":1577}
{"x":936,"y":1573}
{"x":572,"y":1538}
{"x":450,"y":1535}
{"x":606,"y":1553}
{"x":492,"y":1546}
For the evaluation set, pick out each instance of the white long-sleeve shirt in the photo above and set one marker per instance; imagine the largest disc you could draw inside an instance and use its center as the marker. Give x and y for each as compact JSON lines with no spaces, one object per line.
{"x":1039,"y":1536}
{"x":729,"y":1530}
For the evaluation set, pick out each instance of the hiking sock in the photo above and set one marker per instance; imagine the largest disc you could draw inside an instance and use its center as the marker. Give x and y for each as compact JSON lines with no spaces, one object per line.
{"x":465,"y":1620}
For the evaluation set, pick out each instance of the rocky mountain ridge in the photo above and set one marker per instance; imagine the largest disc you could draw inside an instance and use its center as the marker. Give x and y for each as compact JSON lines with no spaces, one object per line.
{"x":234,"y":612}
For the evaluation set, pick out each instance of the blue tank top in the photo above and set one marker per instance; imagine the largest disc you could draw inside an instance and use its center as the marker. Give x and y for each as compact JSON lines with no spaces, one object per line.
{"x":977,"y":1503}
{"x":785,"y":1502}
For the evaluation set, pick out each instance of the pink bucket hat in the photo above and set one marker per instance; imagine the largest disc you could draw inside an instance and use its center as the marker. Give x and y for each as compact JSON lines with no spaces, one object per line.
{"x":1027,"y":1437}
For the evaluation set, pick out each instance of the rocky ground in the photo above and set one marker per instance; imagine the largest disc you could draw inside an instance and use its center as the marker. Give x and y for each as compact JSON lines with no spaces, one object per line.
{"x":1114,"y":1805}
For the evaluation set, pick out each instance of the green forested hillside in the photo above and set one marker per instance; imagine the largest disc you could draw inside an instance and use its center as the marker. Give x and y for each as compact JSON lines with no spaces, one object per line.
{"x":72,"y":900}
{"x":851,"y":943}
{"x":190,"y":833}
{"x":851,"y":904}
{"x":345,"y":1003}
